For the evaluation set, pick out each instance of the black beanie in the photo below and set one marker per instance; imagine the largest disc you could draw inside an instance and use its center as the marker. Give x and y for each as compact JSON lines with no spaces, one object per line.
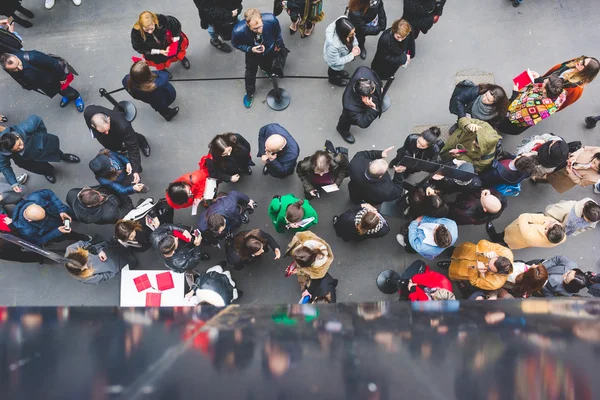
{"x":100,"y":165}
{"x":553,"y":155}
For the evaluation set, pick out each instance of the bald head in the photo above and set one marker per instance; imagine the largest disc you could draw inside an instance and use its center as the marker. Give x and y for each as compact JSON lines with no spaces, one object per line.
{"x":275,"y":143}
{"x":34,"y":213}
{"x":491,"y":204}
{"x":100,"y":122}
{"x":378,"y":167}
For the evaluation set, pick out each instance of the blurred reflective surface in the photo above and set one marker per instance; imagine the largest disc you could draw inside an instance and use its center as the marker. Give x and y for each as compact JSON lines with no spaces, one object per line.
{"x":533,"y":349}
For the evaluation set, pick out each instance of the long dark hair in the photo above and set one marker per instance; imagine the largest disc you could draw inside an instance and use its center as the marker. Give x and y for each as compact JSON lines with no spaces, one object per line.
{"x":343,"y":27}
{"x":530,"y":281}
{"x":141,"y":77}
{"x":359,"y":5}
{"x":501,"y":100}
{"x":218,"y":145}
{"x":248,"y":243}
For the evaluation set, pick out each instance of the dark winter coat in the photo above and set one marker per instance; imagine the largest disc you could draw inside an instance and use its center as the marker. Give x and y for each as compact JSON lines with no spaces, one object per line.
{"x":121,"y":135}
{"x":467,"y":209}
{"x":420,"y":14}
{"x":236,"y":163}
{"x":338,"y":171}
{"x":285,"y":162}
{"x":365,"y":189}
{"x":186,"y":256}
{"x":346,"y":228}
{"x":362,"y":20}
{"x":120,"y":185}
{"x":463,"y":97}
{"x":321,"y":287}
{"x":160,"y":98}
{"x":392,"y":54}
{"x":109,"y":211}
{"x":218,"y":14}
{"x":41,"y":72}
{"x":243,"y":38}
{"x":39,"y":145}
{"x":234,"y":258}
{"x":158,"y":39}
{"x":498,"y":174}
{"x":232,"y":207}
{"x":358,"y":112}
{"x":410,"y":149}
{"x":40,"y":232}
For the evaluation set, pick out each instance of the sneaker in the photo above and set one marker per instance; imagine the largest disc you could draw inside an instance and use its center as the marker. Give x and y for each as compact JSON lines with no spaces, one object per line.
{"x":400,"y":240}
{"x":335,"y":219}
{"x":265,"y":170}
{"x":590,"y":122}
{"x":224,"y":47}
{"x":77,"y":2}
{"x":64,"y":101}
{"x":21,"y":179}
{"x":186,"y":63}
{"x":49,"y":4}
{"x":245,"y":218}
{"x":595,"y":189}
{"x":50,"y":178}
{"x":79,"y":104}
{"x":443,"y":264}
{"x":248,"y":100}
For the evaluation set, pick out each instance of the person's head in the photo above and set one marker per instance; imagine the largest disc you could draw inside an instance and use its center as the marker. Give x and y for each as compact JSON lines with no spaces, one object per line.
{"x":378,"y":168}
{"x":320,"y":162}
{"x":345,"y":31}
{"x":254,"y":20}
{"x":401,"y":29}
{"x":222,"y":145}
{"x":125,"y":230}
{"x":146,"y":24}
{"x":101,"y":123}
{"x":11,"y":143}
{"x":553,"y":153}
{"x":553,"y":86}
{"x":78,"y":264}
{"x":141,"y":77}
{"x":294,"y":212}
{"x":574,"y":280}
{"x":436,"y":201}
{"x":494,"y":95}
{"x":101,"y":166}
{"x":500,"y":265}
{"x":428,"y":138}
{"x":10,"y":62}
{"x":531,"y":280}
{"x":442,"y":236}
{"x":359,"y":5}
{"x":274,"y":144}
{"x":555,"y":233}
{"x":321,"y":299}
{"x":491,"y":204}
{"x":364,"y":87}
{"x":306,"y":256}
{"x":526,"y":164}
{"x":369,"y":221}
{"x":250,"y":244}
{"x":216,"y":223}
{"x":33,"y":212}
{"x":585,"y":70}
{"x":90,"y":197}
{"x":179,"y":192}
{"x":168,"y":245}
{"x":591,"y":211}
{"x":595,"y":165}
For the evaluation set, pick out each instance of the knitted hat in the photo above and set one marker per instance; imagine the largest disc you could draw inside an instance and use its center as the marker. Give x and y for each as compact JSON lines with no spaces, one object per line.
{"x":552,"y":155}
{"x":100,"y":165}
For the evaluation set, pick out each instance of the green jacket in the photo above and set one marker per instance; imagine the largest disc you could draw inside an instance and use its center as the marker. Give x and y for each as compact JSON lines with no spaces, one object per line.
{"x":487,"y":138}
{"x":279,"y":206}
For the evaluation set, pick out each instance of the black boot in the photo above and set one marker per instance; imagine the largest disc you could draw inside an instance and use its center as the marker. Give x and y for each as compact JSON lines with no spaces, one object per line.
{"x":444,"y":264}
{"x":23,"y":22}
{"x":170,"y":113}
{"x":24,"y":11}
{"x":590,"y":122}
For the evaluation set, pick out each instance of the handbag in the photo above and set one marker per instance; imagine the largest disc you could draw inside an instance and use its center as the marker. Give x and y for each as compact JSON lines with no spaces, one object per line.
{"x":277,"y":7}
{"x":279,"y":61}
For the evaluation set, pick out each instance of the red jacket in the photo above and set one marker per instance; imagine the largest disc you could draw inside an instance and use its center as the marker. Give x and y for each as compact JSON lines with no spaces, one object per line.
{"x":3,"y":226}
{"x":573,"y":93}
{"x":197,"y":181}
{"x":430,"y":279}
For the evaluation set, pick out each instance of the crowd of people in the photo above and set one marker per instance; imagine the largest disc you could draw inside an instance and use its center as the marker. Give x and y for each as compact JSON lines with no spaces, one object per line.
{"x":436,"y":206}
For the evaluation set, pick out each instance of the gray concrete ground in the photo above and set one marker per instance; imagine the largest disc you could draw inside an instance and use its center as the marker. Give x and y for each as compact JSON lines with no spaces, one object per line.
{"x":488,"y":35}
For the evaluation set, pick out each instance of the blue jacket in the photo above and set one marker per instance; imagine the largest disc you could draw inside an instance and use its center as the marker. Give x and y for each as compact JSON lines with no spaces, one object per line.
{"x":40,"y":232}
{"x":119,"y":163}
{"x":285,"y":162}
{"x":161,"y":97}
{"x":39,"y":145}
{"x":498,"y":174}
{"x":231,"y":207}
{"x":41,"y":72}
{"x":243,"y":38}
{"x":416,"y":236}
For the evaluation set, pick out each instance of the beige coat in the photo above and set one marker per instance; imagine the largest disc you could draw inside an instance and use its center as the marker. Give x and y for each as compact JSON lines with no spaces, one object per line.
{"x":321,"y":266}
{"x":567,"y":178}
{"x":464,"y":264}
{"x":529,"y":230}
{"x":561,"y":210}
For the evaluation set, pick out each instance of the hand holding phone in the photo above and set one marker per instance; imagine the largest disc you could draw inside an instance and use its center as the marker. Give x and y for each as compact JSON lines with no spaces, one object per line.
{"x":67,"y":224}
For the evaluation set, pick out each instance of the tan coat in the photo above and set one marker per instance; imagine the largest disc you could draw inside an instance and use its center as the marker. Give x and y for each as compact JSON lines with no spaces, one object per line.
{"x":561,"y":210}
{"x":321,"y":266}
{"x":464,"y":264}
{"x":529,"y":230}
{"x":567,"y":178}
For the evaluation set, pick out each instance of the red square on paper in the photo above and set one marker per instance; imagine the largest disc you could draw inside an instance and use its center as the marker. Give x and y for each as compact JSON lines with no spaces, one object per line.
{"x":142,"y":282}
{"x":164,"y":281}
{"x":152,"y":299}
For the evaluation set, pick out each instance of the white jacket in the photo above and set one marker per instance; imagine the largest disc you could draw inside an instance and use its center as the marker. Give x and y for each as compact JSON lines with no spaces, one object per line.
{"x":336,"y":53}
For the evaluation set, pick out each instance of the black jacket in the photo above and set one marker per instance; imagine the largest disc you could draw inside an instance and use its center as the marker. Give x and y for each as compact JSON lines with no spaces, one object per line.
{"x":109,"y":211}
{"x":361,"y":20}
{"x":232,"y":207}
{"x":356,"y":110}
{"x":467,"y":209}
{"x":158,"y":39}
{"x":346,"y":228}
{"x":364,"y":189}
{"x":410,"y":149}
{"x":186,"y":256}
{"x":41,"y":72}
{"x":392,"y":54}
{"x":338,"y":171}
{"x":320,"y":287}
{"x":420,"y":13}
{"x":121,"y":135}
{"x":234,"y":258}
{"x":217,"y":283}
{"x":217,"y":12}
{"x":236,"y":163}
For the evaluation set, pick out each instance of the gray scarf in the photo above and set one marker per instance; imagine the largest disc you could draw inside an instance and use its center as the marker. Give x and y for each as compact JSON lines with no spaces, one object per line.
{"x":359,"y":216}
{"x":482,"y":111}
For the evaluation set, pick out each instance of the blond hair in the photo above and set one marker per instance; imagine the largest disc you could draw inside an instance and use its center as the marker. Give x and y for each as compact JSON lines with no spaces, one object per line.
{"x":252,"y":14}
{"x":401,"y":27}
{"x":80,"y":258}
{"x":146,"y":19}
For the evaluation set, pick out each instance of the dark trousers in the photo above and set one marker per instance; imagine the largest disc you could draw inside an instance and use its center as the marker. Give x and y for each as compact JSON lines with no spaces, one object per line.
{"x":336,"y":75}
{"x":496,"y":237}
{"x":70,"y":93}
{"x":11,"y":252}
{"x":37,"y":167}
{"x":360,"y":37}
{"x":253,"y":61}
{"x":344,"y":123}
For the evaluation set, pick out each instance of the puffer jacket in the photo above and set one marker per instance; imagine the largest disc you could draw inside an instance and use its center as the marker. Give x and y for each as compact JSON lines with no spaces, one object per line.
{"x":186,"y":256}
{"x":335,"y":53}
{"x":119,"y":163}
{"x":109,"y":211}
{"x":338,"y":171}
